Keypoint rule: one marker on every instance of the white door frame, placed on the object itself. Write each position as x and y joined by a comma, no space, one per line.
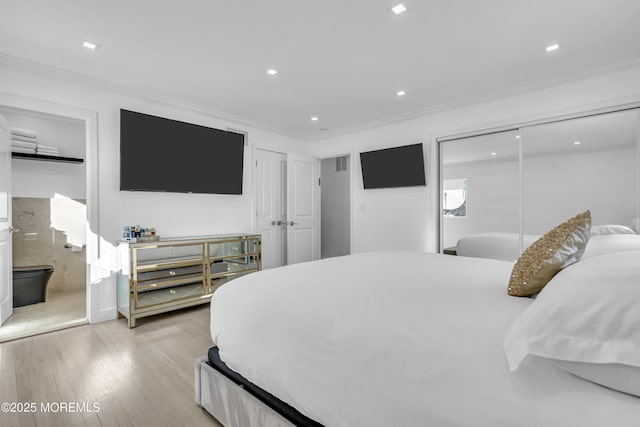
90,119
352,175
6,229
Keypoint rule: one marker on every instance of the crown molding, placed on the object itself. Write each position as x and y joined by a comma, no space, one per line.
37,68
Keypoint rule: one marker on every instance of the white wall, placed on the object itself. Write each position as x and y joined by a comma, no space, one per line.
44,179
335,213
408,218
171,214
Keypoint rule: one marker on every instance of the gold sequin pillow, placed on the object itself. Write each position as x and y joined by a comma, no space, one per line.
554,251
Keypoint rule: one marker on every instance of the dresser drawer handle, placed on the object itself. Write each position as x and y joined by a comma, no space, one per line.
172,273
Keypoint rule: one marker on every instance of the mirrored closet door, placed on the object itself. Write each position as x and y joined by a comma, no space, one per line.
520,183
574,165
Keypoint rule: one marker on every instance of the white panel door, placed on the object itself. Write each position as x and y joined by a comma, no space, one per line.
302,213
271,169
6,263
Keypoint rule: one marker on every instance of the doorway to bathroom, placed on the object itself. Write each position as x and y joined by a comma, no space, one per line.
49,222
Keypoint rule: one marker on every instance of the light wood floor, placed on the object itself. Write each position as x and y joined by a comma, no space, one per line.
138,377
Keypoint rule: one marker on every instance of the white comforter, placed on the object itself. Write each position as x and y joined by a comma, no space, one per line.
398,339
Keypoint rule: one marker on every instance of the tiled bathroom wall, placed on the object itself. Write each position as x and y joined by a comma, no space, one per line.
44,227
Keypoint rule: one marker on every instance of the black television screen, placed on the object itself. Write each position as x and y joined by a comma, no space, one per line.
158,154
393,167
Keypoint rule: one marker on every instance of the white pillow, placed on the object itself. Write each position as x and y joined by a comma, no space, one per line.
612,375
597,230
588,313
610,243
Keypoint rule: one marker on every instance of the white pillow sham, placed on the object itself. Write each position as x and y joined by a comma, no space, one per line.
588,313
597,230
610,243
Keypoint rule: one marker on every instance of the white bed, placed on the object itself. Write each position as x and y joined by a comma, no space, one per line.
395,338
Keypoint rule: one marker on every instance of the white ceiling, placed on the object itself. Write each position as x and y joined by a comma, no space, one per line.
340,60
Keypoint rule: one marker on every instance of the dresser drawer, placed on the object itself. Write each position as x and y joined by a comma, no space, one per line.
216,282
233,265
239,247
170,273
167,295
168,254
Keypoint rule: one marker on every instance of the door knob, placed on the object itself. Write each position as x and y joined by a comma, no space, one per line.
293,223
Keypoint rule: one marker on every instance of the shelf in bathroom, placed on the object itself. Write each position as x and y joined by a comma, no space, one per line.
45,158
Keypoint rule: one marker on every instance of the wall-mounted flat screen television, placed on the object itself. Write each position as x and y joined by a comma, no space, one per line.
159,154
393,167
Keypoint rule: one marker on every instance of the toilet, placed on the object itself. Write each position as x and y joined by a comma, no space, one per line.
30,284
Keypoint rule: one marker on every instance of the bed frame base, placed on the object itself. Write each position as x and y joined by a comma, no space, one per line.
230,403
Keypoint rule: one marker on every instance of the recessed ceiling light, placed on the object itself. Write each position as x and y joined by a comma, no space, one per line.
494,153
576,143
314,119
89,45
398,9
517,136
552,47
401,93
272,72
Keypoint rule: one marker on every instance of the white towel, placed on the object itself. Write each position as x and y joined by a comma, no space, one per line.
47,147
23,150
23,144
48,152
24,132
23,138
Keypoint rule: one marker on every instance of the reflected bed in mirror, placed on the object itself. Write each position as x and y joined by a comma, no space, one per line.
502,246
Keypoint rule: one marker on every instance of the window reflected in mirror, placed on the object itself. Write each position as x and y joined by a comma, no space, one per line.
454,198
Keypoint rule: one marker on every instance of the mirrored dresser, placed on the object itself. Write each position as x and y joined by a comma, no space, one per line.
169,274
